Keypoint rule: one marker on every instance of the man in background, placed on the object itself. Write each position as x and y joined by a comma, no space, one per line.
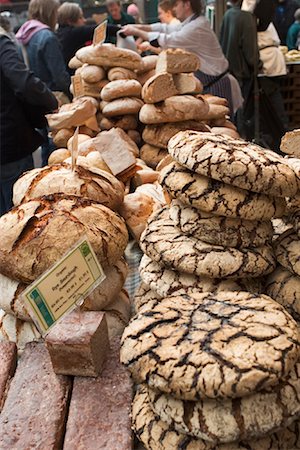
293,31
284,17
117,17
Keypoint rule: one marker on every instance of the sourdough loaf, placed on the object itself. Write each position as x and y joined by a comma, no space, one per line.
92,74
152,155
120,106
158,88
110,56
148,63
18,331
31,242
61,137
290,143
176,60
11,300
120,73
117,314
187,83
76,115
58,156
75,63
174,109
121,88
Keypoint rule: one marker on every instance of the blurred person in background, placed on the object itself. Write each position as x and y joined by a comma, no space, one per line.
24,101
42,54
133,11
73,33
166,13
116,17
284,17
293,31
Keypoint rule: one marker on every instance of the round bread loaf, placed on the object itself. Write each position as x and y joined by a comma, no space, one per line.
95,185
120,73
167,245
148,63
58,156
166,282
235,162
92,74
75,63
287,251
127,122
121,88
38,233
218,230
158,435
216,197
120,106
62,136
220,345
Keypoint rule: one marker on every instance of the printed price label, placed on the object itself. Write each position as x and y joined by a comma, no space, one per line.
63,287
100,33
77,86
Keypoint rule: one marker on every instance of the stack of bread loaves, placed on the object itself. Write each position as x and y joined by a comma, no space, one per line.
215,360
54,208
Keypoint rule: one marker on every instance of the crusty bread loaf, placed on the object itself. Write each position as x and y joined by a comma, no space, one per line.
61,137
18,331
38,233
90,161
11,300
187,83
120,73
57,157
106,124
152,155
107,291
109,56
121,88
92,74
164,162
176,60
159,135
75,63
290,143
81,138
135,136
86,97
217,112
75,115
227,131
158,88
117,314
148,63
96,185
87,131
174,109
120,106
115,140
127,122
215,100
143,77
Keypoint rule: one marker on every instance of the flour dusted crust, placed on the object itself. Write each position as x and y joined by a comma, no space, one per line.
158,435
121,88
218,230
16,330
217,197
174,109
228,420
166,244
11,298
296,219
109,56
235,162
168,282
160,134
145,297
96,185
177,60
36,234
287,251
121,106
226,344
284,287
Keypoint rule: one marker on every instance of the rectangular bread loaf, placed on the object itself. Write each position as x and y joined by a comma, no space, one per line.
100,409
34,413
176,60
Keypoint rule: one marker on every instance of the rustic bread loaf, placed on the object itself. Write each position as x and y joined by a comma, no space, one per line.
96,185
217,112
109,56
18,331
143,77
38,233
152,155
87,131
159,135
61,137
214,100
11,300
148,63
290,143
121,88
135,136
81,138
174,109
227,131
76,115
158,88
117,314
92,74
120,106
176,60
91,161
187,83
75,63
58,156
120,73
106,124
127,122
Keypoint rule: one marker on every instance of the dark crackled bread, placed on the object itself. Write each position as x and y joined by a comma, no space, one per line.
38,233
95,185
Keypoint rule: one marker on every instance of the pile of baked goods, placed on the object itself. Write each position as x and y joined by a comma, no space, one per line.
56,206
215,360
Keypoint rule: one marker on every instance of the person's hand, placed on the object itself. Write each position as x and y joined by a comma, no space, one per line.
144,46
129,30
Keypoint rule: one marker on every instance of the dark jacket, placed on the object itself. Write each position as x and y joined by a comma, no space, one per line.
238,39
23,98
284,17
125,20
73,38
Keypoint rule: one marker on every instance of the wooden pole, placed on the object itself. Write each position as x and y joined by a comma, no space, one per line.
220,9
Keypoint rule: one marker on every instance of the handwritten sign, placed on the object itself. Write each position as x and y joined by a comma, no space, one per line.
77,84
100,33
63,287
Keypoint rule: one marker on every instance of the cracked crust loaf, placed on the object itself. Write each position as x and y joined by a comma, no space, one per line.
211,345
166,244
96,185
218,230
234,162
145,297
217,197
31,242
166,282
158,435
287,251
284,287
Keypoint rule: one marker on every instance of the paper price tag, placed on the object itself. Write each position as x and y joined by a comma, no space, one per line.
100,33
77,86
63,287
